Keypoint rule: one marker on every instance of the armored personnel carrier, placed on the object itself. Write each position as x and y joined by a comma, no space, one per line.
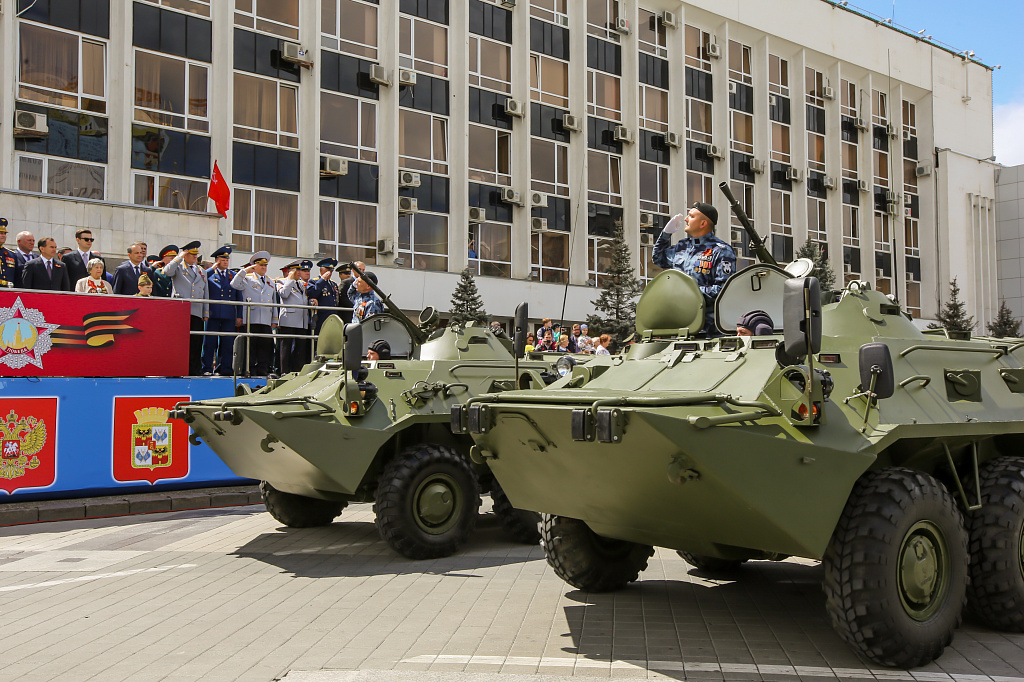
344,429
847,435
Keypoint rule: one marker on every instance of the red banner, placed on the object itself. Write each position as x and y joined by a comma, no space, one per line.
44,334
148,446
28,443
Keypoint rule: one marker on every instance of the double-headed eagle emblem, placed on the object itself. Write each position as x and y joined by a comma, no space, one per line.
20,440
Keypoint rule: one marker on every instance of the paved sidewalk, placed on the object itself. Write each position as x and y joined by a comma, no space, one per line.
228,594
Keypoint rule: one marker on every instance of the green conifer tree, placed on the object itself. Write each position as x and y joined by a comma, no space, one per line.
953,316
467,306
616,306
1005,325
822,268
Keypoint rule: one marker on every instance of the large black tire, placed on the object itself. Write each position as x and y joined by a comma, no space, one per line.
996,594
896,568
299,511
522,525
427,502
710,564
588,561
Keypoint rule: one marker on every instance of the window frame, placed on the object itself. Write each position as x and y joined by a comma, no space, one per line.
600,110
658,49
435,165
606,31
188,118
778,75
411,253
261,24
334,247
477,78
552,14
745,74
335,42
278,134
611,165
156,179
698,59
477,265
361,151
548,273
561,168
661,186
24,87
178,5
647,122
414,62
537,91
44,183
251,234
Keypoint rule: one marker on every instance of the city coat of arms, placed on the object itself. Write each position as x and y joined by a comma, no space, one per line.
148,446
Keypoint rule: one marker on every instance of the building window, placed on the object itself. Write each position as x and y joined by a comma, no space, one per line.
601,17
422,141
654,108
422,46
170,152
169,32
490,64
75,136
549,80
650,34
883,233
490,249
848,98
699,187
63,69
490,155
851,225
913,300
880,108
600,254
741,132
348,126
62,177
549,256
911,237
850,160
697,42
604,178
423,241
549,167
266,111
349,26
782,212
698,120
744,193
200,7
910,118
265,220
816,221
778,75
814,82
653,187
171,92
279,17
182,194
740,69
87,16
780,143
604,95
348,231
816,152
555,11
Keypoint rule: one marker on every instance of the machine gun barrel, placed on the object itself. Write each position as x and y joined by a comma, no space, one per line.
755,241
418,335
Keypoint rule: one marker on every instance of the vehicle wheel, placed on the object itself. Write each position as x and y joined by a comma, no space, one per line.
427,502
522,525
299,511
710,564
587,560
996,594
896,568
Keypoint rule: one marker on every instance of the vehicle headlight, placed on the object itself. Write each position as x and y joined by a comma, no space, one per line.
564,365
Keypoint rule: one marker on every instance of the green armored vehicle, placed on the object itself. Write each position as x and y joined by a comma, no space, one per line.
891,454
344,429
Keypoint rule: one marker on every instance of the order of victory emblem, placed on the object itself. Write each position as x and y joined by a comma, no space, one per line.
24,336
151,439
148,445
28,434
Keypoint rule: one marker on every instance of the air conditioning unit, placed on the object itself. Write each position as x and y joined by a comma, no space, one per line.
793,174
908,212
293,52
510,196
732,87
908,199
622,26
408,179
891,196
715,152
892,208
407,205
860,124
646,239
333,165
862,185
772,100
924,170
891,131
406,77
828,92
508,4
907,136
646,220
538,200
669,19
514,107
539,224
828,183
714,50
879,272
673,139
385,246
756,166
623,134
477,215
570,122
30,124
379,75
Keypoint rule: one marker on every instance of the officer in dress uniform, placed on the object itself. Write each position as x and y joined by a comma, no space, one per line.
8,263
293,353
323,292
701,255
223,316
189,281
256,287
162,285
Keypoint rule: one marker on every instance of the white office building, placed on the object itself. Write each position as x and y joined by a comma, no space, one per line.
425,136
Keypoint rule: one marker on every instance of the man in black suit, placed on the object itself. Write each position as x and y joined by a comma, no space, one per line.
126,276
78,260
23,253
46,273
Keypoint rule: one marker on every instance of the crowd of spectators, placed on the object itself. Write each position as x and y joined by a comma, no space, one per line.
556,338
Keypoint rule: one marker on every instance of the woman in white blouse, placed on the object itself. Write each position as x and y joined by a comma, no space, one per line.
94,283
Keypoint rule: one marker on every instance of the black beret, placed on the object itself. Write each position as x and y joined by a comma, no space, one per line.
370,276
708,210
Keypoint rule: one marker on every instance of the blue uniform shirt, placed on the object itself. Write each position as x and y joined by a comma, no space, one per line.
221,290
325,293
8,268
707,259
365,305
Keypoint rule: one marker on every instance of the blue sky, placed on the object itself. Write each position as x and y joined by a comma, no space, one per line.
994,29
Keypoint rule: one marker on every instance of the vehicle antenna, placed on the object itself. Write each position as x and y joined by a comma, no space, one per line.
572,238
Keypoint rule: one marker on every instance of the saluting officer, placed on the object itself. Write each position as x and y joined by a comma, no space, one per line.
8,263
256,287
162,285
323,292
223,316
293,353
189,281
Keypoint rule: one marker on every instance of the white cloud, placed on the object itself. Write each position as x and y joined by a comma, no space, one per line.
1009,133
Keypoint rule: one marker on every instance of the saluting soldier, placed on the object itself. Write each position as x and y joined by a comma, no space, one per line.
162,285
293,353
189,281
8,263
223,316
256,287
323,292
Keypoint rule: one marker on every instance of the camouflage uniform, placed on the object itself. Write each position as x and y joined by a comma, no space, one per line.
707,259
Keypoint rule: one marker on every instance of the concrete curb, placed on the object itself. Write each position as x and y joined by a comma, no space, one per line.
17,513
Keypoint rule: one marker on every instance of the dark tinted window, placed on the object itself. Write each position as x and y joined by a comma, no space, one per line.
851,195
601,219
556,212
848,130
546,122
72,136
488,197
778,177
258,53
350,75
429,94
697,158
778,109
604,56
360,184
489,108
698,84
432,195
601,135
549,39
816,185
162,30
489,20
170,151
739,167
265,167
880,138
435,10
653,71
815,119
87,16
742,99
653,147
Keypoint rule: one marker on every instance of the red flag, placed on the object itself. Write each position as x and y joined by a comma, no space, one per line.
220,192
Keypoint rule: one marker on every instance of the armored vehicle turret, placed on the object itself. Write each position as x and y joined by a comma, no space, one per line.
344,429
843,433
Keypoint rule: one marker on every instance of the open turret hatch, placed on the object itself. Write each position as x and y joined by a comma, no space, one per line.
758,287
671,305
384,326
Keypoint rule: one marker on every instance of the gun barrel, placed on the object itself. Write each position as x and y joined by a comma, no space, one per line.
760,250
418,335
